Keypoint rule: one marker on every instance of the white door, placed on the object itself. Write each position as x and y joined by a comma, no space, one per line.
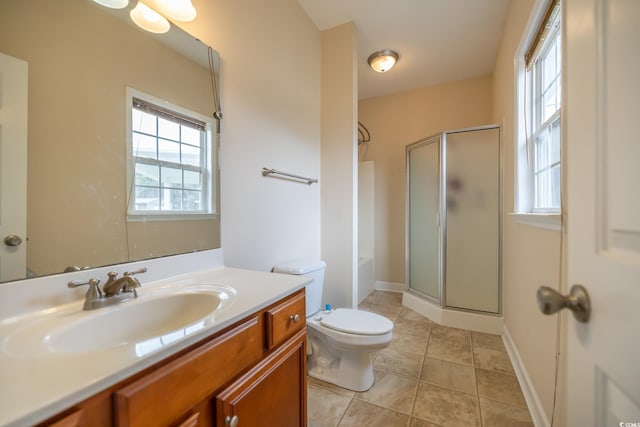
602,124
13,168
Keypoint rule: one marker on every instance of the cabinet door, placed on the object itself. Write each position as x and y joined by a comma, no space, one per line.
274,393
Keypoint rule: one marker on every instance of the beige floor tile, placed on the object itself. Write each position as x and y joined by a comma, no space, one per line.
445,331
409,322
392,392
384,297
446,407
490,341
417,422
397,362
389,311
453,345
449,375
314,382
325,408
498,386
362,413
493,360
496,414
409,343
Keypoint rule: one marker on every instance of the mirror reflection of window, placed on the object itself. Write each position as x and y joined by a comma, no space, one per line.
171,160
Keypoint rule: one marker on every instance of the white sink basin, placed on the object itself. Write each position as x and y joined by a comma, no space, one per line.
155,319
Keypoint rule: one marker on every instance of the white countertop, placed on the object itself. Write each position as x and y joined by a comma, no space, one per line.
34,388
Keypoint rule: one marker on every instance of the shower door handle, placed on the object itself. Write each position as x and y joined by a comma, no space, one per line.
551,301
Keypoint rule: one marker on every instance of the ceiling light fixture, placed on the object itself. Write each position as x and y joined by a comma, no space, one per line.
148,19
179,10
382,60
113,4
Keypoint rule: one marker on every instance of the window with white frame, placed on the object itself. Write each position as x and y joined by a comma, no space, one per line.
170,173
540,100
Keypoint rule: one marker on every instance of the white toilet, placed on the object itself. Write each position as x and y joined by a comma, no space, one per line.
342,342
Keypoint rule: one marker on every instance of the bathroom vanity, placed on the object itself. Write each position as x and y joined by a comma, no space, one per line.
245,366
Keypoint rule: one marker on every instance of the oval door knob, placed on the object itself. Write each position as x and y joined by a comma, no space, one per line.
551,301
12,240
231,421
295,318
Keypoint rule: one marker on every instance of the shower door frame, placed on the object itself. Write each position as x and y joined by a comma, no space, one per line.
442,218
433,139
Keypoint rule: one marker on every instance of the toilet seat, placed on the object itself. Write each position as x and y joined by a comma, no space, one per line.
357,322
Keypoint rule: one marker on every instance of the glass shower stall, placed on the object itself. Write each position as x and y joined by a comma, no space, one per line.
453,219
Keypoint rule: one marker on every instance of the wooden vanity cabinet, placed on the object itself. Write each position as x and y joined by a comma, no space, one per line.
255,370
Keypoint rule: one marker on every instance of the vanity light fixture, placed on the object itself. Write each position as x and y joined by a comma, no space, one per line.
113,4
148,19
179,10
383,60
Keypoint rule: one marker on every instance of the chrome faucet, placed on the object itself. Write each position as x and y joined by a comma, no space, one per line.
114,291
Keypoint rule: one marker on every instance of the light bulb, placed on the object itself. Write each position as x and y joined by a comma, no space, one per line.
113,4
179,10
148,19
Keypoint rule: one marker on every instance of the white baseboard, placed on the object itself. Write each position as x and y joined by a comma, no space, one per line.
453,318
536,410
390,286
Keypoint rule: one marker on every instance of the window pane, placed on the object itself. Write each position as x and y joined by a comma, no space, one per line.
147,199
192,180
143,122
192,200
190,155
171,177
168,151
554,131
190,136
168,129
147,175
144,146
171,199
555,187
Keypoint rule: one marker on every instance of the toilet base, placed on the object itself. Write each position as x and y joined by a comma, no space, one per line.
352,370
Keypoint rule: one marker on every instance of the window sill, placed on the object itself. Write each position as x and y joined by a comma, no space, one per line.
170,217
540,220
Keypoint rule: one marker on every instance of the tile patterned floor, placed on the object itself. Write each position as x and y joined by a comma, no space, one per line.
429,376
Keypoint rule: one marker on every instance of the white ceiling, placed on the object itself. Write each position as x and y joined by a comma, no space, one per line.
437,40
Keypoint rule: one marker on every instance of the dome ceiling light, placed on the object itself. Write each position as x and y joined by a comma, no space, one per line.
383,60
148,19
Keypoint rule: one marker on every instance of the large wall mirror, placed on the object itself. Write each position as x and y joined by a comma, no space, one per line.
84,62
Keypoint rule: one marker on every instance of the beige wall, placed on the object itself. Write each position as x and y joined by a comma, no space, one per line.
530,255
81,58
400,119
339,164
271,63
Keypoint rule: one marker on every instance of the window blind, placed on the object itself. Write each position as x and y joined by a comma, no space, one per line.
166,114
546,25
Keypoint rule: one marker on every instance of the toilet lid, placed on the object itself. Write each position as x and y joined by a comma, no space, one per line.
357,322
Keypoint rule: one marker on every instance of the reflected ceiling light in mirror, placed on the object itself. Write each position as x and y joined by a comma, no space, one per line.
113,4
383,60
179,10
148,19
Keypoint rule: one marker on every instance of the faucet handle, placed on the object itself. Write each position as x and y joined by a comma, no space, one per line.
93,292
139,271
132,287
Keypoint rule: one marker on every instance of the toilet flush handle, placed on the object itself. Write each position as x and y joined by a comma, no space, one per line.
294,318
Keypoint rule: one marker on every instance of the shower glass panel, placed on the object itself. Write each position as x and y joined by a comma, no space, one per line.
472,227
423,205
453,219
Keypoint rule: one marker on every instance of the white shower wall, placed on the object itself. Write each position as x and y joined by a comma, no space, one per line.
366,265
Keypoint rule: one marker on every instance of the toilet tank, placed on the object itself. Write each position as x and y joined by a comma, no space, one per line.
310,268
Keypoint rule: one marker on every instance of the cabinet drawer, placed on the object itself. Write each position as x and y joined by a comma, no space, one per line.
184,382
285,319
